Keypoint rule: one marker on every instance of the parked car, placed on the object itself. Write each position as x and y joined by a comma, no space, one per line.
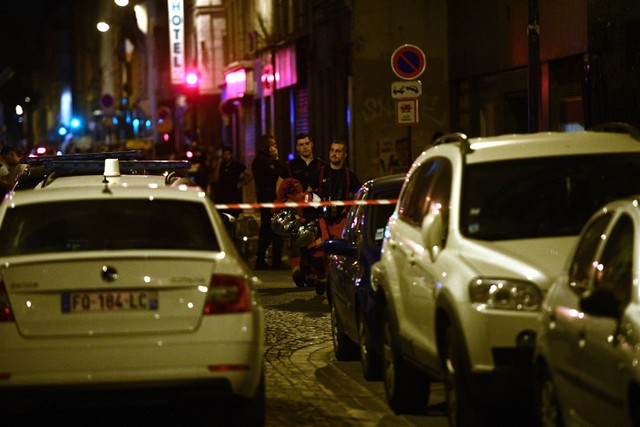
355,323
481,229
116,281
588,343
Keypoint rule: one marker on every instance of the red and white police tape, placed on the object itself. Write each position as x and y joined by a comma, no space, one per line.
281,205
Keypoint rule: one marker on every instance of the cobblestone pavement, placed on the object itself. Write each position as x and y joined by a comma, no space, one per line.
305,385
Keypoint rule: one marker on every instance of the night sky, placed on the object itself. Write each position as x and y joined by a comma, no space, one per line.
21,24
22,31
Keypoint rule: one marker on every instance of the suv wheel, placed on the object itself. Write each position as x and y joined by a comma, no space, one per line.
370,360
549,412
343,347
460,408
407,390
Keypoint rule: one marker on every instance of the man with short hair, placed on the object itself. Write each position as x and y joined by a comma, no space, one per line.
303,164
300,168
335,182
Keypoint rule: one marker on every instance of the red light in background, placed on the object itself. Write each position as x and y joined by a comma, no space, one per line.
236,83
165,137
192,78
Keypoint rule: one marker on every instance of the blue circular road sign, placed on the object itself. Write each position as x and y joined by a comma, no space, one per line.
408,62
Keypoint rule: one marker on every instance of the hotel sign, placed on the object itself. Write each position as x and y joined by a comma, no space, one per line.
176,41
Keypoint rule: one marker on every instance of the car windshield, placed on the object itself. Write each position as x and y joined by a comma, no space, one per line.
545,197
89,225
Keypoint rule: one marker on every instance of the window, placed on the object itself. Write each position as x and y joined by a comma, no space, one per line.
353,225
583,266
543,197
422,193
614,271
106,225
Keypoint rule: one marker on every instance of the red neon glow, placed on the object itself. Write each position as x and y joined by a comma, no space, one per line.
236,83
192,78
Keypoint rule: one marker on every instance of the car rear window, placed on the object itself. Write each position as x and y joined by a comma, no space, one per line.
90,225
543,197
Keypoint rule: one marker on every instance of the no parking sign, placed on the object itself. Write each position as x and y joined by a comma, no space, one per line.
408,62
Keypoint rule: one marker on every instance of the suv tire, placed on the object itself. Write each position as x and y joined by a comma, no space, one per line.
407,389
460,407
370,359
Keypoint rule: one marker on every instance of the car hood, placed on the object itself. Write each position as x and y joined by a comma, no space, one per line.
535,260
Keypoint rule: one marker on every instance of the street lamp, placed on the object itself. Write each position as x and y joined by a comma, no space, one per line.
103,27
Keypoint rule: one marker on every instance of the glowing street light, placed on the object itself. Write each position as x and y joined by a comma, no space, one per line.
103,27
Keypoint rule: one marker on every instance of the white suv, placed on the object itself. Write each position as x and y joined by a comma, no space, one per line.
124,280
481,229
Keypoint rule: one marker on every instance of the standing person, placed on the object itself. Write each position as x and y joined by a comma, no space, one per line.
300,168
336,182
266,169
229,176
205,170
11,160
303,164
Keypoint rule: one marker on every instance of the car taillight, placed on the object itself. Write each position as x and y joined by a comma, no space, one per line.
227,294
6,315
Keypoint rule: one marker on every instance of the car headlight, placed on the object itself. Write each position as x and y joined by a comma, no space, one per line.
505,294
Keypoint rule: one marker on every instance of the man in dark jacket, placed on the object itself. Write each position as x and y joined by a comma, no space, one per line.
333,182
266,170
300,168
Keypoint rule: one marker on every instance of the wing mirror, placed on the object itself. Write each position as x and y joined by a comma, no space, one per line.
229,222
433,233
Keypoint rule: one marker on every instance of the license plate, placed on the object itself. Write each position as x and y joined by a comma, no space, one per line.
78,302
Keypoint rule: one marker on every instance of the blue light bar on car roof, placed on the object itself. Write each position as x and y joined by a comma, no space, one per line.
126,165
122,155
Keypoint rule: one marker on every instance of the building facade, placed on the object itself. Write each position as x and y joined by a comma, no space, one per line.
325,67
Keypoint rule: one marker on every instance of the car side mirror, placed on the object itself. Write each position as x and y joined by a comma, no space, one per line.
433,233
339,247
601,302
229,222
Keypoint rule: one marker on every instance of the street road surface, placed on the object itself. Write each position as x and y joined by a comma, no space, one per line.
305,385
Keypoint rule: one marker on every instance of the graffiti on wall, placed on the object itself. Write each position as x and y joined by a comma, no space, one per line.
393,156
374,109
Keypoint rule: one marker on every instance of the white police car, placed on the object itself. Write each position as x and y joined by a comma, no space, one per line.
115,280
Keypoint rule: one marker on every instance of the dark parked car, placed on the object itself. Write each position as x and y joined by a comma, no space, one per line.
354,321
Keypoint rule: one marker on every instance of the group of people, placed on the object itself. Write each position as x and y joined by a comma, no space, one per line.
331,180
